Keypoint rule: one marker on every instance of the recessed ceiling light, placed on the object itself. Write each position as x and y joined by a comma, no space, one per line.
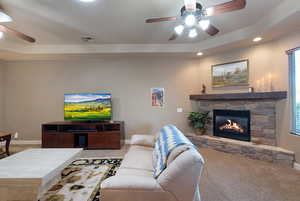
88,39
1,34
87,1
199,54
257,39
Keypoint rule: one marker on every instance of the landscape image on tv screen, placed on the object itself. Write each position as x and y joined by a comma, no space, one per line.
88,106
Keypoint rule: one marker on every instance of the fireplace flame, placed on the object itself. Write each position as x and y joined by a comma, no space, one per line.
232,126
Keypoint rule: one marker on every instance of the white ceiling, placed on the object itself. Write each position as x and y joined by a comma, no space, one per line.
117,21
119,25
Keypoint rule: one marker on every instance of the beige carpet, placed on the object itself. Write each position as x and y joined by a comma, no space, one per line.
228,177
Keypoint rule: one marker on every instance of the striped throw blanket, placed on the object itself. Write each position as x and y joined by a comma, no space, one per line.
170,138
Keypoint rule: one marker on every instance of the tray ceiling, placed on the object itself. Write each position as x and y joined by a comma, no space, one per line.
120,25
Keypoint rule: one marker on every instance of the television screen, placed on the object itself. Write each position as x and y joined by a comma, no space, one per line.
92,106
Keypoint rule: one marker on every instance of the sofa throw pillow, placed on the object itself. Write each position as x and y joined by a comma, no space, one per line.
169,138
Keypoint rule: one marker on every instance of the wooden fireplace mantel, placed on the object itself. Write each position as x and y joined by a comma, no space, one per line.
276,95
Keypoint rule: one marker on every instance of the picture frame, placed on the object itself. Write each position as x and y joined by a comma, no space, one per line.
230,74
157,97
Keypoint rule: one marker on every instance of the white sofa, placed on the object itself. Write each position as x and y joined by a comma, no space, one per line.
134,180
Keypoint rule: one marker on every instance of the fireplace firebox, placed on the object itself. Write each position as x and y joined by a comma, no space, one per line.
233,124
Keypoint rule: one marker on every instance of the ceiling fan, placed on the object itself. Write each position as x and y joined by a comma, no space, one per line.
194,16
4,18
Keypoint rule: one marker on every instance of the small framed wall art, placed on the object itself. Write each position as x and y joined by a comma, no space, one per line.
157,97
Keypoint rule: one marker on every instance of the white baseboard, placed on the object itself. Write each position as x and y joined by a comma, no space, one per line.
297,166
25,142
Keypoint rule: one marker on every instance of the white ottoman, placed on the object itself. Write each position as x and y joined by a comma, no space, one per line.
27,175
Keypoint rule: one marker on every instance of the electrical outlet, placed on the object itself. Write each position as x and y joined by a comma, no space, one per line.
16,135
179,110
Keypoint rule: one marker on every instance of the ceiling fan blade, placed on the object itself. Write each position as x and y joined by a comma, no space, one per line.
226,7
173,37
212,30
161,19
17,34
190,5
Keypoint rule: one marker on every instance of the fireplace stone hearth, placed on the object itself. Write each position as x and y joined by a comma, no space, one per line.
263,117
265,153
261,143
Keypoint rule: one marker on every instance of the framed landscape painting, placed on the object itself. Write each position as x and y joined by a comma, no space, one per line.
230,74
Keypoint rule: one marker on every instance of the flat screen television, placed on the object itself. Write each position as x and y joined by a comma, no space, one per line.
88,106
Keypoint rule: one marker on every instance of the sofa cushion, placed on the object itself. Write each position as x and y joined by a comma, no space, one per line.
131,183
143,140
138,157
134,172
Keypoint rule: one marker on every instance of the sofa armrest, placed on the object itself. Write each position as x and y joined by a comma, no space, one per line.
143,140
130,183
133,188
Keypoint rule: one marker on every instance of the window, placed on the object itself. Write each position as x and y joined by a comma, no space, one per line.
294,63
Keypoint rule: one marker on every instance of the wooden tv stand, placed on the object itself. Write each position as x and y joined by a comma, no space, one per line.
80,134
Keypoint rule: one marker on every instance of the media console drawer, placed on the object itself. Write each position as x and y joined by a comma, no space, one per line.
67,134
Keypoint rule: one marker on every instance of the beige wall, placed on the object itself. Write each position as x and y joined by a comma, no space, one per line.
1,94
36,90
265,59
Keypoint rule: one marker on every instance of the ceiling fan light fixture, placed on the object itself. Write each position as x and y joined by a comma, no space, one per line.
204,24
210,11
190,20
190,5
4,17
199,54
179,29
193,33
257,39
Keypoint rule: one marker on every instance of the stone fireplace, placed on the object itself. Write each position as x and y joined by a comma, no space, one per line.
263,117
245,124
232,124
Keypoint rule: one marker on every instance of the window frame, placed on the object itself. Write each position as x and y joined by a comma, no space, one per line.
292,87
